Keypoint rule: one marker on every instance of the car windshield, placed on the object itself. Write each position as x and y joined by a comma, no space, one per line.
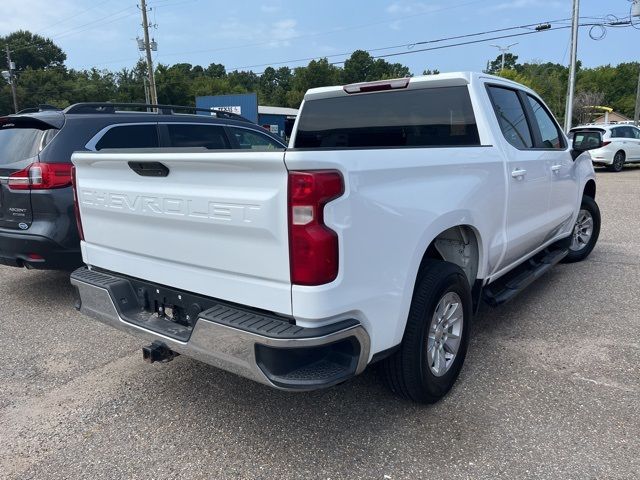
19,143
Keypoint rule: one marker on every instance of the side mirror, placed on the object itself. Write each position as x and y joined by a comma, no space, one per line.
585,140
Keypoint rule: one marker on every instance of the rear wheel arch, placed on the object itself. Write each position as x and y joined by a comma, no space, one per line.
590,189
460,245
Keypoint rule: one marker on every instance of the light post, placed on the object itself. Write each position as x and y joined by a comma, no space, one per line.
568,115
635,13
504,51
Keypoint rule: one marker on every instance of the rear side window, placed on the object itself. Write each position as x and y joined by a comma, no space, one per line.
211,137
429,117
18,144
551,137
250,140
511,117
130,136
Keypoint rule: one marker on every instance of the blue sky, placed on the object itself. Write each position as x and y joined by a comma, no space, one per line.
251,33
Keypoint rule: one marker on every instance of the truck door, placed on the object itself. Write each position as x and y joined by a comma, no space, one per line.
553,147
528,177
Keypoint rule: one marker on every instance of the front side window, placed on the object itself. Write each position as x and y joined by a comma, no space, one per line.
211,137
250,140
129,136
551,137
424,117
629,132
636,133
617,133
511,117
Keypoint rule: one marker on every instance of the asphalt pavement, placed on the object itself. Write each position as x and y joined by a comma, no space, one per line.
550,389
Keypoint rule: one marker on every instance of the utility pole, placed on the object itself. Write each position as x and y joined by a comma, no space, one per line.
147,47
504,51
635,12
568,114
12,80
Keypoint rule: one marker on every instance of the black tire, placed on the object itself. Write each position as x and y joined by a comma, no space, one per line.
407,372
618,162
590,205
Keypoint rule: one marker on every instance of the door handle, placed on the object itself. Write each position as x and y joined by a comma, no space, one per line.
556,168
518,173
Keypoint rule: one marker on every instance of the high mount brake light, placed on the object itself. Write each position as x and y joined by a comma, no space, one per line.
41,176
313,247
377,86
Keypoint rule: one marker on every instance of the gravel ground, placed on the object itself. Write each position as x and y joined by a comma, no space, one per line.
550,389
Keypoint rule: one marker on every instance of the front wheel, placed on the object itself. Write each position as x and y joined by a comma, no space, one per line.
436,337
586,231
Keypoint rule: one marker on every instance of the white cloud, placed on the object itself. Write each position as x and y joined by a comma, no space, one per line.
516,4
410,8
38,16
270,8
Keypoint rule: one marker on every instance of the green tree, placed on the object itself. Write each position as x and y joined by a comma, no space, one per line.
510,63
29,50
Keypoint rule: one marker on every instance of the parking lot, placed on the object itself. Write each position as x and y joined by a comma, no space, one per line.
550,389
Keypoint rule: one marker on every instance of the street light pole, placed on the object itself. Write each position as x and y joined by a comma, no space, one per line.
12,80
568,115
635,12
504,51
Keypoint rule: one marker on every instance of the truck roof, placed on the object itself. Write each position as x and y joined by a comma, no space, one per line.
451,79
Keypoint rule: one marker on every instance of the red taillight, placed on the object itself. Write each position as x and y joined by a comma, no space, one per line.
313,247
41,176
76,204
606,142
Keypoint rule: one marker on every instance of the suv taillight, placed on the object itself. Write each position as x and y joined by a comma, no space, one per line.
313,247
41,176
76,204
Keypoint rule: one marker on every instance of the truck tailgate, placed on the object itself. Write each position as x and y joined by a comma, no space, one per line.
216,224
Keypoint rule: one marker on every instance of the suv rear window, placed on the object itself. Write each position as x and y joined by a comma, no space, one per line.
129,136
19,143
428,117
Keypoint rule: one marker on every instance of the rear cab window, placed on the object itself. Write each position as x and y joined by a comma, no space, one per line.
421,117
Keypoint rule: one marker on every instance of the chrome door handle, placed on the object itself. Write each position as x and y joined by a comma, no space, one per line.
518,173
556,168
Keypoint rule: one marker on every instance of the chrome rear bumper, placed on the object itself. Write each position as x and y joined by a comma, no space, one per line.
294,359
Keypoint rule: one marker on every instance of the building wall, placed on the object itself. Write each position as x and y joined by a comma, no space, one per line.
244,104
277,122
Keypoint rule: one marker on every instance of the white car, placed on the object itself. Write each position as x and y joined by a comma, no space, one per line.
398,207
620,145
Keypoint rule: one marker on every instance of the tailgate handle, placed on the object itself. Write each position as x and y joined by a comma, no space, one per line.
149,169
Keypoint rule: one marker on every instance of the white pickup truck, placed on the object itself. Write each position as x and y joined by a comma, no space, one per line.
398,208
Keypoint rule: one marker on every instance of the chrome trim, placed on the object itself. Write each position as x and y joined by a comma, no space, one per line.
4,179
223,347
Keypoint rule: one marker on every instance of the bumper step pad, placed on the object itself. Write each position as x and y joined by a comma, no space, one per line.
259,345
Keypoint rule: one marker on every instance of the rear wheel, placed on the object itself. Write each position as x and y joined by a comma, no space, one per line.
618,162
586,231
436,336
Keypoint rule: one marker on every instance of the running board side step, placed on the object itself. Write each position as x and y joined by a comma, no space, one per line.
507,287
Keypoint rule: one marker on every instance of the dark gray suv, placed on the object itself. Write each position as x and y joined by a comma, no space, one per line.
37,221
